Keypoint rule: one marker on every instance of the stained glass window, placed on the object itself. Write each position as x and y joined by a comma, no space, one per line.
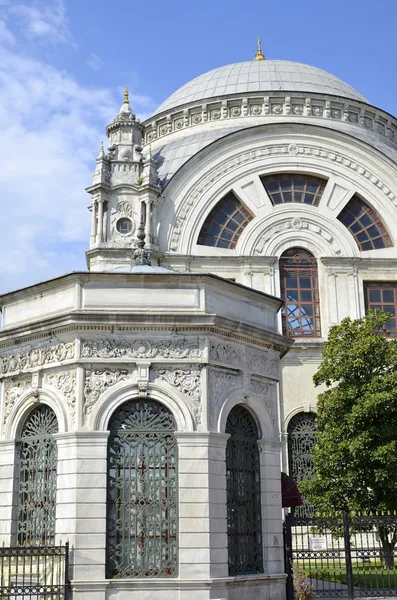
244,523
383,296
142,514
299,290
364,224
288,187
225,223
301,439
38,458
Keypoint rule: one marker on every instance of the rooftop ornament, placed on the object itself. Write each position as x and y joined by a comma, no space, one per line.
259,55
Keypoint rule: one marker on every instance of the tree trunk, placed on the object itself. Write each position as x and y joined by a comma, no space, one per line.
387,553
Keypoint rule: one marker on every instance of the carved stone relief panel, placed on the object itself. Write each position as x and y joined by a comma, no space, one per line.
30,357
266,392
178,348
96,382
220,381
64,382
265,362
188,381
13,389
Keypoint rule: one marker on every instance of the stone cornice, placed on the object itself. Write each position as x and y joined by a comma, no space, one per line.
278,105
80,323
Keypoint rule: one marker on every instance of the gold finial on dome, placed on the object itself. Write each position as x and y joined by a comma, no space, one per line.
126,98
259,55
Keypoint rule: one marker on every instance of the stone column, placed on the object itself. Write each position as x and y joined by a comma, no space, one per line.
8,492
93,222
148,223
202,505
272,518
99,235
81,506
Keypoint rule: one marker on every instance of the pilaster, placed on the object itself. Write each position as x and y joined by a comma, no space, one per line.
8,491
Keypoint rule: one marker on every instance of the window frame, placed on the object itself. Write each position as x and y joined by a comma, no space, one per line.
382,286
214,220
366,212
289,194
298,272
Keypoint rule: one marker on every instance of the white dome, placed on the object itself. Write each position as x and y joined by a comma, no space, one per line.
260,76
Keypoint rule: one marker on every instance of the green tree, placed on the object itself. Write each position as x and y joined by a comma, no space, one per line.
355,456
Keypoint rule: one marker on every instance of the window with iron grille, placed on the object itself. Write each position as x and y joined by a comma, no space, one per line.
383,296
142,515
290,187
364,224
244,523
38,458
225,223
299,290
302,432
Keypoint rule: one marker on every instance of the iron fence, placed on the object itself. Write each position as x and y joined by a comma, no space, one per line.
343,556
34,572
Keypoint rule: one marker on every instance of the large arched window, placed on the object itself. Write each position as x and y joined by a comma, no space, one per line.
225,223
142,511
299,290
364,224
301,439
38,458
294,187
244,523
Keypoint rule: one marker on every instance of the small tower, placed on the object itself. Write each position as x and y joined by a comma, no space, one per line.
124,194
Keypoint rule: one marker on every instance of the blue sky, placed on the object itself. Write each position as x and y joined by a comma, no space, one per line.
63,67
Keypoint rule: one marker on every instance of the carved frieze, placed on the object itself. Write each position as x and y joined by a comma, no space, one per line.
65,382
13,390
188,382
257,361
32,357
178,348
96,382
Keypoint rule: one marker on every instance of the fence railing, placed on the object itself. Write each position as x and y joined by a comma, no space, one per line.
34,572
343,556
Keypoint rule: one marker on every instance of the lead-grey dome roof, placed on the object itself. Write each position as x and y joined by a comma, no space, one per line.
260,76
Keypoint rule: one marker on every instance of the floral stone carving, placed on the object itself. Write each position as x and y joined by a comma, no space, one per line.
188,381
13,390
219,382
142,348
96,382
36,357
65,381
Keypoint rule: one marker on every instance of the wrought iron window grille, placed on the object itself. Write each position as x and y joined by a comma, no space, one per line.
37,486
142,515
244,522
302,431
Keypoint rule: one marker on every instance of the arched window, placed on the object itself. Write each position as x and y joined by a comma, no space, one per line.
299,290
225,223
301,439
142,516
244,523
38,458
290,187
364,224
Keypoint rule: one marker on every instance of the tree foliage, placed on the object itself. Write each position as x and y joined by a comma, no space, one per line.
355,456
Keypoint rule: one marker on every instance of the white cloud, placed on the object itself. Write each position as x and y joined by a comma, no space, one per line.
45,21
51,127
95,62
6,37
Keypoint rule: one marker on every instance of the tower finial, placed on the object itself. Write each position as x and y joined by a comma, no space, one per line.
126,97
259,55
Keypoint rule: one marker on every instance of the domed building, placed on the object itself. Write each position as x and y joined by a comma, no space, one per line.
150,403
